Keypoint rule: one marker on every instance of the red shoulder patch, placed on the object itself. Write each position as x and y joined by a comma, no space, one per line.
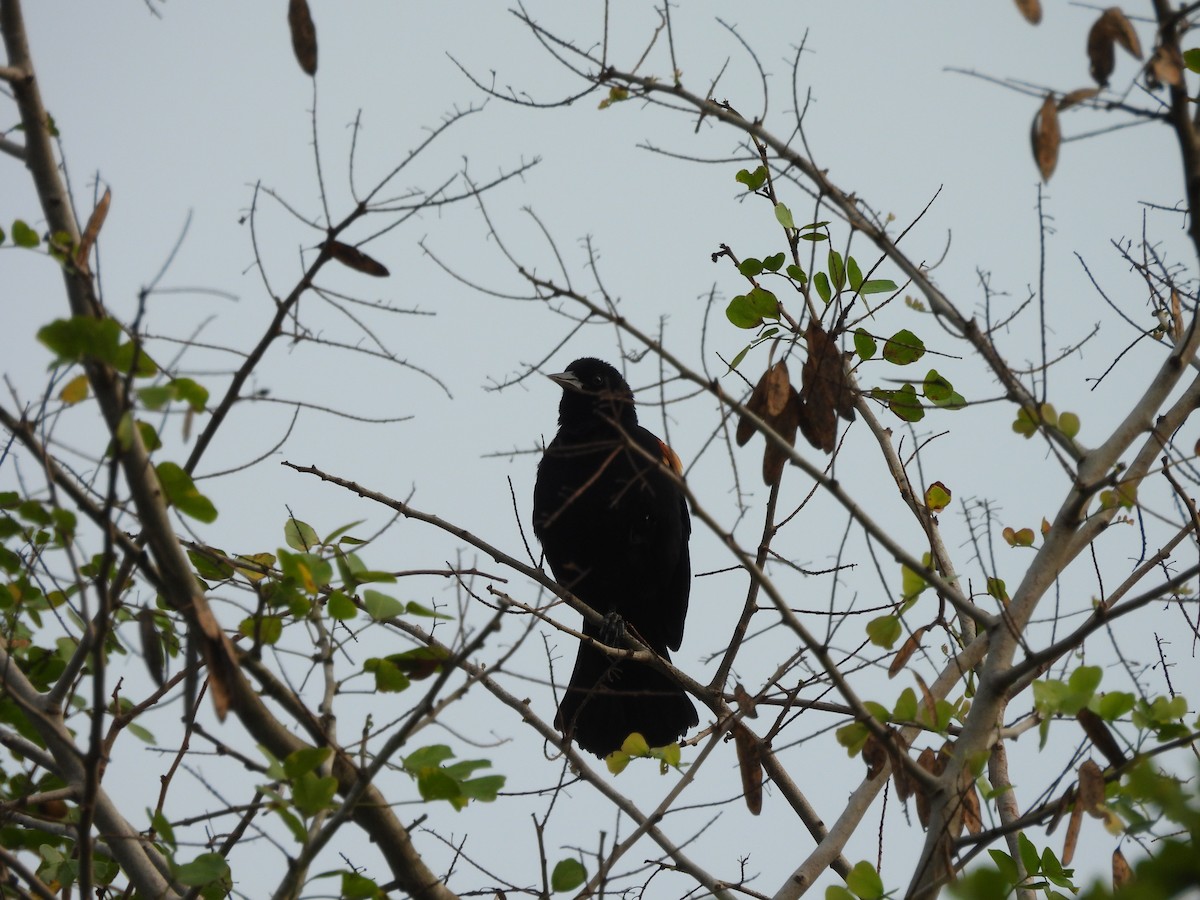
671,459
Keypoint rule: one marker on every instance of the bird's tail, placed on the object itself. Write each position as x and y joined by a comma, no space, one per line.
607,700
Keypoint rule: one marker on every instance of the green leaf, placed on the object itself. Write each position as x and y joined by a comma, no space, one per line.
304,760
1191,59
181,493
433,755
837,892
635,745
268,629
741,355
813,236
904,403
878,286
2,236
774,262
413,608
75,390
764,303
359,887
937,497
484,789
210,568
1029,854
937,388
1085,680
864,344
796,273
853,737
740,312
997,589
750,267
1112,705
821,283
1006,865
300,535
80,337
615,95
1068,424
903,348
752,180
568,874
380,606
388,677
884,631
837,270
309,571
864,881
784,216
1024,424
132,357
142,734
911,583
435,784
616,762
905,709
24,236
205,869
313,793
340,607
853,273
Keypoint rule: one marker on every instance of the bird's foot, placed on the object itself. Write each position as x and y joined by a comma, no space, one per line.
612,632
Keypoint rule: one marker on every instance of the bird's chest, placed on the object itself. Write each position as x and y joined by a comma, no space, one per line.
604,487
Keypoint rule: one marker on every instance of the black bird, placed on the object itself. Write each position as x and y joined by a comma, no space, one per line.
614,526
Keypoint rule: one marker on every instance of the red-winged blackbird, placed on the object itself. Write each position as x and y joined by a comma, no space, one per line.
615,528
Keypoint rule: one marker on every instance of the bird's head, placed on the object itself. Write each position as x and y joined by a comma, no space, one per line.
593,391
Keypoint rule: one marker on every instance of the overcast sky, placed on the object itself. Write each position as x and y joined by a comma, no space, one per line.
184,112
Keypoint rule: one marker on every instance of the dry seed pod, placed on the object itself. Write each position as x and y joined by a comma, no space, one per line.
1046,137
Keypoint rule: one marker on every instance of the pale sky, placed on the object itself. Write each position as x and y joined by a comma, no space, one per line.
182,114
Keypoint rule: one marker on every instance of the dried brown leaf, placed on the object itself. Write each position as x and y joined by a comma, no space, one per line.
927,761
901,777
757,404
1091,788
1077,96
875,755
750,764
785,425
1165,67
904,654
1072,838
745,702
1101,51
1110,29
1046,137
353,258
825,391
779,388
152,649
1101,736
905,784
304,35
1121,872
1122,31
92,231
970,809
926,697
1031,10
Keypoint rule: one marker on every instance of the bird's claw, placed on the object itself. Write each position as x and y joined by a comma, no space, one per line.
612,632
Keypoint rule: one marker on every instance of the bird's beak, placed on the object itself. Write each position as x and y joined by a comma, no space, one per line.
567,380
